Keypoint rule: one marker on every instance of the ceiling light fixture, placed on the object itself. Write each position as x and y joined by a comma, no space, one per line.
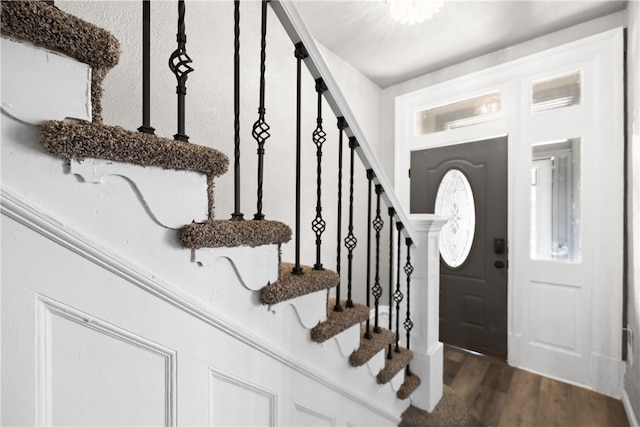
413,11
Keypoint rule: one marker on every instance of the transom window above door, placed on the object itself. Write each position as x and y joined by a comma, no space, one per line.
468,112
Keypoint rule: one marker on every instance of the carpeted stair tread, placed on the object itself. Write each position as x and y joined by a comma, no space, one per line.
410,384
48,27
292,285
229,233
451,411
338,321
51,28
394,365
81,140
369,347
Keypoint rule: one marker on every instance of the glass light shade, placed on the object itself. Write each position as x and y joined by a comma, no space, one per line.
413,11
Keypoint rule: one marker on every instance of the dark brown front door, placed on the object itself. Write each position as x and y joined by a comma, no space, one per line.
468,183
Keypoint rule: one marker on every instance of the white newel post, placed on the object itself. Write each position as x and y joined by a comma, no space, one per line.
425,300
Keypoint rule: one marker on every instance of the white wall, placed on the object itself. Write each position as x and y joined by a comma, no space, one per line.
632,376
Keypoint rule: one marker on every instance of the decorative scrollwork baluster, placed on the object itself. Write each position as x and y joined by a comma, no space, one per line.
378,223
397,295
179,65
146,68
260,130
408,271
370,176
350,241
300,54
342,124
391,214
318,224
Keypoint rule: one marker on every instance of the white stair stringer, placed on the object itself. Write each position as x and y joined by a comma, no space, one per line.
310,309
171,209
376,363
348,340
254,267
397,381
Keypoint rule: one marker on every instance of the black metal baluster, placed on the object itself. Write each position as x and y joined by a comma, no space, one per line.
350,241
260,127
397,295
179,64
391,214
146,68
300,54
378,223
319,137
237,215
370,176
408,271
342,124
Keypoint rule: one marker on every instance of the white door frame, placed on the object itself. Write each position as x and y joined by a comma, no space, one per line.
598,345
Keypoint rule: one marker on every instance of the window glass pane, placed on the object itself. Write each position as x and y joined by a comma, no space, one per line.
455,202
556,92
555,201
459,114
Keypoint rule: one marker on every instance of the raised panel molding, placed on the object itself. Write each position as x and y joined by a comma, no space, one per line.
306,416
559,326
28,215
47,309
244,392
170,210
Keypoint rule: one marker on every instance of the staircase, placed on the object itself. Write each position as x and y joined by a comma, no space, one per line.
253,248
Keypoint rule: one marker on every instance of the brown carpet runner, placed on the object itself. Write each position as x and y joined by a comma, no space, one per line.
291,285
81,140
50,28
451,411
338,321
410,384
228,234
369,347
395,365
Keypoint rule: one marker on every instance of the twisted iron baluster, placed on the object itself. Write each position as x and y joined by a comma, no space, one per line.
391,214
146,68
350,241
370,176
179,65
378,223
408,271
319,137
237,215
397,295
260,127
342,124
300,54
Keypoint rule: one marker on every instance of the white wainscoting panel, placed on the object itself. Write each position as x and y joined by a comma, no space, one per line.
235,402
91,372
310,417
557,328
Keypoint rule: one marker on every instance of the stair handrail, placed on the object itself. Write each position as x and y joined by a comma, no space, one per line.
294,25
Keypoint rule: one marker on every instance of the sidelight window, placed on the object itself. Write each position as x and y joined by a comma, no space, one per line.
555,201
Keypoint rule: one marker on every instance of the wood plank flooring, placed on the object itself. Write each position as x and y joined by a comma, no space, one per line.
499,395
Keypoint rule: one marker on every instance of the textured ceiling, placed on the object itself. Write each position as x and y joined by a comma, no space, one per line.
362,33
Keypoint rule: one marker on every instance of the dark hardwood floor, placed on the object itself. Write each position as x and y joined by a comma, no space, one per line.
499,395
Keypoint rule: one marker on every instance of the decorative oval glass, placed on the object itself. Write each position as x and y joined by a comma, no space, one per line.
455,202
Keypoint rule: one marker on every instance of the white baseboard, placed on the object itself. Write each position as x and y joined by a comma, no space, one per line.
631,416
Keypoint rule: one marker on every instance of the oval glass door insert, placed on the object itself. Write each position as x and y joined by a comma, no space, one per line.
455,202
